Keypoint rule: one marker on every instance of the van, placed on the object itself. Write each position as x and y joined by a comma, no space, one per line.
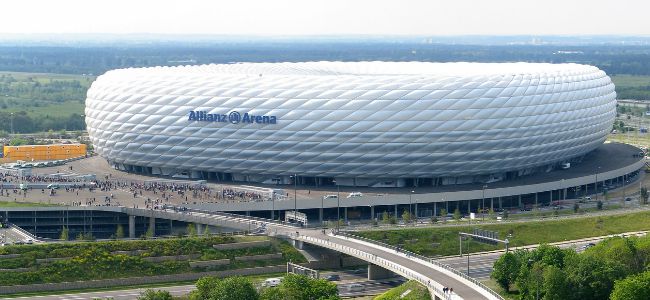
272,282
330,197
355,194
355,287
565,166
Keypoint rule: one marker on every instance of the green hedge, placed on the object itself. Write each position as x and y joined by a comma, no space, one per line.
94,260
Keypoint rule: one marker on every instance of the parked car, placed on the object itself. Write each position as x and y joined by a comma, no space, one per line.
272,282
333,277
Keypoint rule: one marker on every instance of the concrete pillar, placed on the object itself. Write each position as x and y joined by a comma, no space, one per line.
447,206
536,199
248,213
500,206
152,225
492,203
199,229
132,227
564,194
320,215
372,212
345,214
272,214
298,244
396,211
519,200
416,212
435,209
469,206
376,272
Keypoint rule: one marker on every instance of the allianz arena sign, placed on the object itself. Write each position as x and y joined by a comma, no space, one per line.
233,117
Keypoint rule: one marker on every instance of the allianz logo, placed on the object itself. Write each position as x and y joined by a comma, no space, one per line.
233,117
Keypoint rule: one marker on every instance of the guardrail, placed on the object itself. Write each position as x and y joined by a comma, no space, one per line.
406,272
426,259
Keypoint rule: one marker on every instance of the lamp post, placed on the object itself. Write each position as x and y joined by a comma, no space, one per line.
12,123
410,205
295,198
338,204
483,204
596,185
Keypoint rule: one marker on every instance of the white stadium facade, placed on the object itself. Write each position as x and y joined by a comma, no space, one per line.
378,124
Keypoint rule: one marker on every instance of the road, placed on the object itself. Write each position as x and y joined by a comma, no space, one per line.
370,287
480,265
13,235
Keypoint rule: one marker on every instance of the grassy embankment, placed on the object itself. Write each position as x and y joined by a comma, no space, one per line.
444,241
99,260
410,290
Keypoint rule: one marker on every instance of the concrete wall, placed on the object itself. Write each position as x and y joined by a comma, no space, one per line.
51,259
243,245
209,263
4,256
171,257
135,280
259,257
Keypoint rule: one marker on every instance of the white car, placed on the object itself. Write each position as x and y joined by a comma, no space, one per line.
272,282
355,194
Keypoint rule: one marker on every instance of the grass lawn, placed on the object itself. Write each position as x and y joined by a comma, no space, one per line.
444,241
412,289
23,204
632,87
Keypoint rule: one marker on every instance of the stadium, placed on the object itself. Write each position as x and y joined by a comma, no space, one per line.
377,124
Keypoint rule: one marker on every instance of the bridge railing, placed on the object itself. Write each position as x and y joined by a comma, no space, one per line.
426,259
376,260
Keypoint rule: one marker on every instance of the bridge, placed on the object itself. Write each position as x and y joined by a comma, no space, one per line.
382,258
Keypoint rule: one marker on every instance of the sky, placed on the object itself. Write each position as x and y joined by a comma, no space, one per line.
328,17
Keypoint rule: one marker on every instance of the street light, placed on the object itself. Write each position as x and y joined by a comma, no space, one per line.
12,123
295,199
410,205
483,205
338,205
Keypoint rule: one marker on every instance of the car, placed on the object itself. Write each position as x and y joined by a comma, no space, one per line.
355,194
333,277
355,287
628,199
330,197
53,186
29,242
272,282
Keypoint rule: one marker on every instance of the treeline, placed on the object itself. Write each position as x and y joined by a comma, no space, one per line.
616,269
21,122
94,59
29,92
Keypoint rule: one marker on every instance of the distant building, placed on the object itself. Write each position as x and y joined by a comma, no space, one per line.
359,123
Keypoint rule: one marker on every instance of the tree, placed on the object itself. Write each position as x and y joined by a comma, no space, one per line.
149,233
150,294
592,278
235,288
301,287
457,214
119,233
64,234
491,214
636,287
406,216
385,217
576,208
443,215
644,195
599,205
505,214
505,270
191,230
555,285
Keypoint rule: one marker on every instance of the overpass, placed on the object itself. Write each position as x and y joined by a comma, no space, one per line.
435,276
382,258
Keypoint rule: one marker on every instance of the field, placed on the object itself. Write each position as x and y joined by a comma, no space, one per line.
632,87
444,241
41,102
